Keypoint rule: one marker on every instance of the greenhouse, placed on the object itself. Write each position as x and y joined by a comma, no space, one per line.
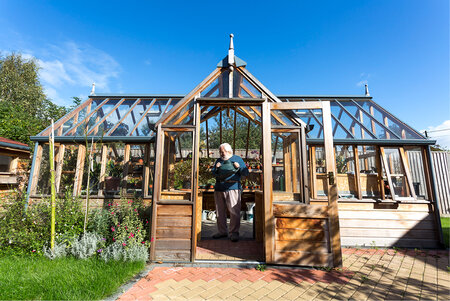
325,171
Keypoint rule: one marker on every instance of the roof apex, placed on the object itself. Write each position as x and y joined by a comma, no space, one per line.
238,62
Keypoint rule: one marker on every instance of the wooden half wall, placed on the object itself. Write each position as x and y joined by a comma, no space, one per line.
388,224
302,235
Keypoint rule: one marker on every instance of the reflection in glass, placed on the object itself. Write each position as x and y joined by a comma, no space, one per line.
415,160
368,171
345,167
177,161
398,177
286,167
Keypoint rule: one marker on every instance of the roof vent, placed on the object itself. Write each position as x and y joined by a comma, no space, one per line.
367,90
93,89
231,51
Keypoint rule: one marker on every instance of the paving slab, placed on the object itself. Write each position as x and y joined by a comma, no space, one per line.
367,274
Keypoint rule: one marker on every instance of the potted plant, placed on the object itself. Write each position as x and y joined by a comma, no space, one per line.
181,174
114,170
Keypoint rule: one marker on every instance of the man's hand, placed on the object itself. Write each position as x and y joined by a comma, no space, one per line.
218,165
236,165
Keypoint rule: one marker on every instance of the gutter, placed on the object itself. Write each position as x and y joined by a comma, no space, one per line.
16,146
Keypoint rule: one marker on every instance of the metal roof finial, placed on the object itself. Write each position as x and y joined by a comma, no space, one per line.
93,89
231,51
367,90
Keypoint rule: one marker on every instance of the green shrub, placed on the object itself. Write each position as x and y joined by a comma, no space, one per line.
127,226
28,231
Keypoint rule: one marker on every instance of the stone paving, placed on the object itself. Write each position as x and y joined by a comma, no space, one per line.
368,274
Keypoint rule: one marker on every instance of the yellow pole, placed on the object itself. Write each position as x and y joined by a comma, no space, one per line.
52,185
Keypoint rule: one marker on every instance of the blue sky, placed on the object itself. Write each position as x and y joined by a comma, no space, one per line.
399,47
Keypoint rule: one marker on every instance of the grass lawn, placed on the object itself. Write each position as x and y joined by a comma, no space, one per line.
33,278
445,222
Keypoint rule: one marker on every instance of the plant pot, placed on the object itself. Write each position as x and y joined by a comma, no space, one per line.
187,185
112,183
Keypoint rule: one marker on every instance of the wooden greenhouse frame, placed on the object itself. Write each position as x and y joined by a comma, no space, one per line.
353,174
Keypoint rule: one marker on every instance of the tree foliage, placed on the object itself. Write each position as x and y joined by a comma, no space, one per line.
228,131
25,110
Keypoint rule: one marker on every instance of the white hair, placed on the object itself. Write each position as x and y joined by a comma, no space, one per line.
226,147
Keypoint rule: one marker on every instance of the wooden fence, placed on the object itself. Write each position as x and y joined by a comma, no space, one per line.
441,167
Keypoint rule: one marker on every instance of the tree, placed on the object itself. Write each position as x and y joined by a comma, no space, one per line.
25,110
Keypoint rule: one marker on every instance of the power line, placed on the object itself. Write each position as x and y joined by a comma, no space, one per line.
432,131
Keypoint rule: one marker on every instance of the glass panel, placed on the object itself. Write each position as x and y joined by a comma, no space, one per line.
338,131
242,129
130,121
368,171
114,168
83,128
68,169
43,184
115,116
415,160
286,163
279,117
345,167
136,166
242,88
184,116
92,165
5,163
151,165
218,88
397,172
321,169
395,126
177,162
313,118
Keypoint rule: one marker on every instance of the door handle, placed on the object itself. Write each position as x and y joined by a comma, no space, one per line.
330,177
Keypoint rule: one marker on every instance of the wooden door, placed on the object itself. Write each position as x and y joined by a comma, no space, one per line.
297,233
173,198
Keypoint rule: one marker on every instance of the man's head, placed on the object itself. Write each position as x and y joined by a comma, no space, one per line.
225,151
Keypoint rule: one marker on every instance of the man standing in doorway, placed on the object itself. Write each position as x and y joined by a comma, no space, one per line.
228,171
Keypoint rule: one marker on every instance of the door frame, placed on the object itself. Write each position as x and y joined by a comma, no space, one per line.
219,102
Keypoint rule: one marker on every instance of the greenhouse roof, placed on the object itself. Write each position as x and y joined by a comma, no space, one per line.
355,119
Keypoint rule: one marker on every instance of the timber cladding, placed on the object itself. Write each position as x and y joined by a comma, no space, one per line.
388,225
173,232
302,235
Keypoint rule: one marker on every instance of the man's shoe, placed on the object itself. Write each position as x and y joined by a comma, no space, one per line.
219,235
234,237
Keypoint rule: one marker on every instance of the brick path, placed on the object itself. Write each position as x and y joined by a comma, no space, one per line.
367,274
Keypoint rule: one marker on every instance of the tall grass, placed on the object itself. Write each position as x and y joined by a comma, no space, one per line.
33,277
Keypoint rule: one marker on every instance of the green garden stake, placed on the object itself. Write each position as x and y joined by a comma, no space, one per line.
52,185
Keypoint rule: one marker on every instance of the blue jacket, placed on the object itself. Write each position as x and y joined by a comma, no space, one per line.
242,171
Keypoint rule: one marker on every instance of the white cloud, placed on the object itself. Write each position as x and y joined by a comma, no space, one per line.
54,73
441,133
364,79
70,67
362,83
